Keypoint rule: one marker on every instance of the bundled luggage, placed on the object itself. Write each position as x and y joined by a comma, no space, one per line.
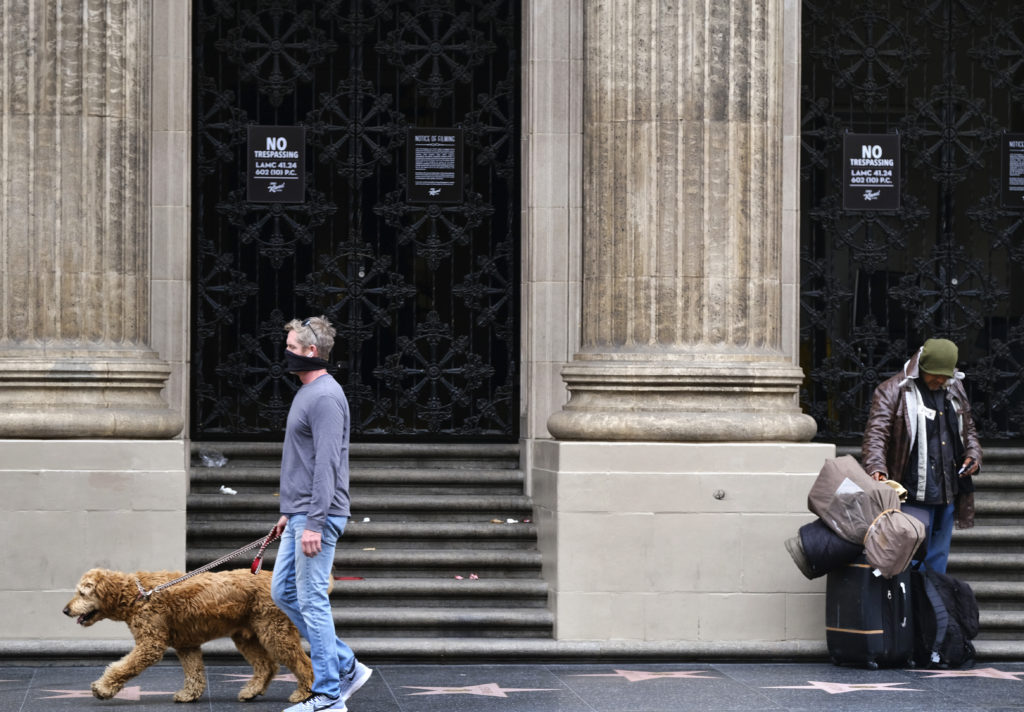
817,549
854,508
878,611
866,513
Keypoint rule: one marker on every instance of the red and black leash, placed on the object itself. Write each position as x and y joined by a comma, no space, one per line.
257,564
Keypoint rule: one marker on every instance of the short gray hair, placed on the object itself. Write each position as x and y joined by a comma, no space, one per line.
314,331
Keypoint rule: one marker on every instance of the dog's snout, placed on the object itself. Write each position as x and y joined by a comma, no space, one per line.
67,611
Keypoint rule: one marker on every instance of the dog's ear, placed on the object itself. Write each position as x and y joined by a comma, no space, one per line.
109,584
87,584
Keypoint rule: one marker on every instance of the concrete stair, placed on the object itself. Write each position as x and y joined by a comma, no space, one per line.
990,556
422,515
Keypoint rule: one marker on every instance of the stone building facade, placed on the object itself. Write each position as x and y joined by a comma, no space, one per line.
664,446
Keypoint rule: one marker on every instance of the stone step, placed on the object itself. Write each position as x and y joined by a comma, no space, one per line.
366,504
981,533
1001,624
995,591
987,537
423,593
1000,504
1000,479
401,563
442,622
362,454
976,567
244,532
230,535
374,480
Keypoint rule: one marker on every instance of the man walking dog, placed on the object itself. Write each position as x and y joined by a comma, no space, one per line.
314,512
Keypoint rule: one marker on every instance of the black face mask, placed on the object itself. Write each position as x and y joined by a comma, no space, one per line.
298,363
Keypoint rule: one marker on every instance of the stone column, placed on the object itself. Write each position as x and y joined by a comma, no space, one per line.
681,332
75,360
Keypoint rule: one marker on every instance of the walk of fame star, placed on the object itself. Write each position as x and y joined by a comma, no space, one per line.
133,693
285,677
490,689
641,675
838,688
978,672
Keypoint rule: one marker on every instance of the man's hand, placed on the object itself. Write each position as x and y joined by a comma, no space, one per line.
879,476
310,543
969,467
278,529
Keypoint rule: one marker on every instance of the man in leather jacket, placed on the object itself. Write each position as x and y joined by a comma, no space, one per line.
927,396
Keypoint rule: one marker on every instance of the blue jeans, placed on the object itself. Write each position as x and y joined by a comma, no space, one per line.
938,532
299,588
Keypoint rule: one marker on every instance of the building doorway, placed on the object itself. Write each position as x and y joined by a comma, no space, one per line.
948,76
424,295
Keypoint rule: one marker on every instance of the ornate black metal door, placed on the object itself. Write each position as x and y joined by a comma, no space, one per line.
949,76
424,296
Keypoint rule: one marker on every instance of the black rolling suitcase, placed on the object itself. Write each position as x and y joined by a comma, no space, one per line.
868,618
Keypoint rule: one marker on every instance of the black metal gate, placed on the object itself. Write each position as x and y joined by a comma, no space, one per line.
424,296
948,75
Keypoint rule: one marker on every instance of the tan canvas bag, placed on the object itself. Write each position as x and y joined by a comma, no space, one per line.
891,541
847,499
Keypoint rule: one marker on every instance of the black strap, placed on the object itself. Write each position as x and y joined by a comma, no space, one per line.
938,610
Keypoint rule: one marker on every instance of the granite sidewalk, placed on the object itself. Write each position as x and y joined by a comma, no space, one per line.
591,687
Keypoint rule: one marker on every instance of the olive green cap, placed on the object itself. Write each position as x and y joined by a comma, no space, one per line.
938,357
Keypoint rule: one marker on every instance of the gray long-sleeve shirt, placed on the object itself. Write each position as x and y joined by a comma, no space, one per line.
314,460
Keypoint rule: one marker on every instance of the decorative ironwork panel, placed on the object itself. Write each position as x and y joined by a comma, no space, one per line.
424,296
948,75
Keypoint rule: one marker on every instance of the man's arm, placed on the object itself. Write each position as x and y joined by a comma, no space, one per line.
326,424
878,430
972,447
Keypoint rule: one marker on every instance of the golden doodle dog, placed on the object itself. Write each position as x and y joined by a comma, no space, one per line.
186,615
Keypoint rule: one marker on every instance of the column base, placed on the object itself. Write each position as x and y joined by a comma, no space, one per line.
678,399
85,394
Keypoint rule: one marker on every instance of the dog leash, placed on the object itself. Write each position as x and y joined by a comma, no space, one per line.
257,564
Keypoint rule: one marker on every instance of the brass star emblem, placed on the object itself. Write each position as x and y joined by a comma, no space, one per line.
490,689
133,693
286,677
641,675
838,688
978,672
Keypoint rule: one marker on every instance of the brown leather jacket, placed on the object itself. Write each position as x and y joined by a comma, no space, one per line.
886,446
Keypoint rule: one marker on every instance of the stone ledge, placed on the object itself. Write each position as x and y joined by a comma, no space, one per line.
453,649
71,652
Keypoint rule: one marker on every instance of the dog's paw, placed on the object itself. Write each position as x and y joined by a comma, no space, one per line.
104,691
249,693
300,695
184,695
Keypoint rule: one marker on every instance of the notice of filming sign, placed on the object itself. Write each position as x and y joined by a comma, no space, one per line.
1013,171
871,171
434,165
277,164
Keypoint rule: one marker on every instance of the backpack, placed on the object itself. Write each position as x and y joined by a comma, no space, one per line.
945,620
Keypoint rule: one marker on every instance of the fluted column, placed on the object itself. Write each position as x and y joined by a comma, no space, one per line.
75,359
681,332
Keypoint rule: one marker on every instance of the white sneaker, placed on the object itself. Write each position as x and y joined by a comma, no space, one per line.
351,683
316,703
